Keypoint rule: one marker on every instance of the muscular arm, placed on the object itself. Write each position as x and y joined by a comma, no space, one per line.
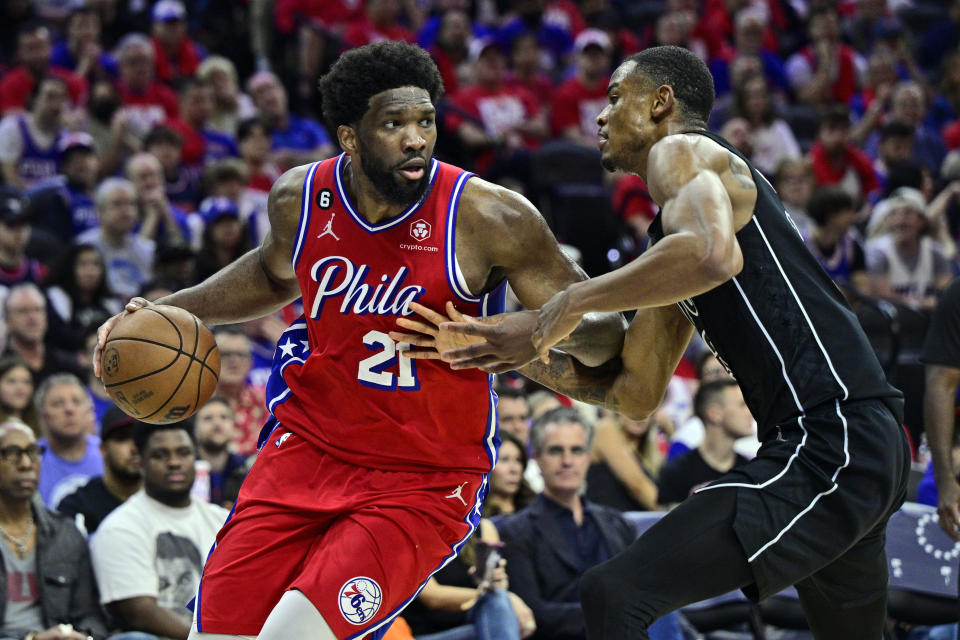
525,251
699,250
938,413
143,614
634,383
260,281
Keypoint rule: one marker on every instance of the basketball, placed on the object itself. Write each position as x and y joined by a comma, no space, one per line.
160,364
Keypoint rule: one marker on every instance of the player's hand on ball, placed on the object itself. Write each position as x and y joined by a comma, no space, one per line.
948,501
556,322
103,332
431,341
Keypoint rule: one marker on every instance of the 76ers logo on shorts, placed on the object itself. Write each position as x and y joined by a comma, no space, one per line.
360,600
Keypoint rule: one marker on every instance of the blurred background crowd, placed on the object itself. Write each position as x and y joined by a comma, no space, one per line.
139,140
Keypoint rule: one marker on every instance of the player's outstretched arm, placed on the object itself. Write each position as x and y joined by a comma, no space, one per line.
501,232
634,383
699,250
257,283
938,418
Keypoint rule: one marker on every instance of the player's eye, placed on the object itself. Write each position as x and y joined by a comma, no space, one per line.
426,122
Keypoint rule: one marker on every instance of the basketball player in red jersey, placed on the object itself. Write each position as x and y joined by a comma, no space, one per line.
372,472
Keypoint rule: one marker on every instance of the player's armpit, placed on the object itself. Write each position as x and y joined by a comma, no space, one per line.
509,236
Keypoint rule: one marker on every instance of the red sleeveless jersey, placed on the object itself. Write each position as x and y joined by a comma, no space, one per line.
339,380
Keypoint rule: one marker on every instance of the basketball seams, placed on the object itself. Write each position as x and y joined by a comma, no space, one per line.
172,324
173,393
147,354
204,365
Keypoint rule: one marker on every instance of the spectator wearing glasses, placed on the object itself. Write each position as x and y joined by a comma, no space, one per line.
247,400
72,453
50,590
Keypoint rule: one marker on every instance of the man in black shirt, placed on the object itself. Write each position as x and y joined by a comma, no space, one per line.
720,406
122,474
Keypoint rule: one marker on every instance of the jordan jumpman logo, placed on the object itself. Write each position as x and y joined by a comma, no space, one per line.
328,228
456,493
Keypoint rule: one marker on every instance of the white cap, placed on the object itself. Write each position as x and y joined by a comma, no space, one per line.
594,37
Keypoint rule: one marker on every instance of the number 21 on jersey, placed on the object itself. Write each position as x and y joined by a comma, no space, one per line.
373,371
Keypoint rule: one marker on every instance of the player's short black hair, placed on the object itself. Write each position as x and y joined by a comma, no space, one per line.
709,393
681,69
826,202
142,432
361,73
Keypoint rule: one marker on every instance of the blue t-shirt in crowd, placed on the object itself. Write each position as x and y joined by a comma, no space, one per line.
59,478
60,56
301,134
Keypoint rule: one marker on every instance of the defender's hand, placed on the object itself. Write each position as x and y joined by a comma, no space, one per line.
948,500
103,332
556,322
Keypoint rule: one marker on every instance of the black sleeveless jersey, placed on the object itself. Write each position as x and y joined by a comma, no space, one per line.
781,326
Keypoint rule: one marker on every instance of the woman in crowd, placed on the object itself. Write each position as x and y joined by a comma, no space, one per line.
16,391
626,460
509,492
456,604
773,140
78,293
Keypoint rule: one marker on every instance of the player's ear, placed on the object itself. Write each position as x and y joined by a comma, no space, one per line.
347,137
664,102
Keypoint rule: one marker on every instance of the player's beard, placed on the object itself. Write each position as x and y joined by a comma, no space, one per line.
386,180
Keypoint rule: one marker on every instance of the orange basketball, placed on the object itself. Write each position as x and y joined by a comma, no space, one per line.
160,364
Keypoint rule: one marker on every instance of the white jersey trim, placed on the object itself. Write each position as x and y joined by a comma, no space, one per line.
304,213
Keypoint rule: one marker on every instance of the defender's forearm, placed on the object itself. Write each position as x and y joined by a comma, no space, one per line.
597,340
564,374
238,292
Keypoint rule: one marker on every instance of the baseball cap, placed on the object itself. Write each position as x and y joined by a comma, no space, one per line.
13,207
114,419
76,140
901,198
168,10
592,38
212,209
479,45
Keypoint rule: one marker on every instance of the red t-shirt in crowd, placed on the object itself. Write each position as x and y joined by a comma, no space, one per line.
16,86
331,14
362,32
496,111
148,108
826,172
575,104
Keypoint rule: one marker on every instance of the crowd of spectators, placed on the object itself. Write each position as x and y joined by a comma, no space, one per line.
139,141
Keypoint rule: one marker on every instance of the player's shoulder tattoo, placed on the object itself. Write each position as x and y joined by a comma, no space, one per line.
740,172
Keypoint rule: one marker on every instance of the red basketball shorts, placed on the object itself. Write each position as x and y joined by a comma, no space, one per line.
360,543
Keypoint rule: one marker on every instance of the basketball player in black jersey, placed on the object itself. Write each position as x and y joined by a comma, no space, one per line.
726,261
